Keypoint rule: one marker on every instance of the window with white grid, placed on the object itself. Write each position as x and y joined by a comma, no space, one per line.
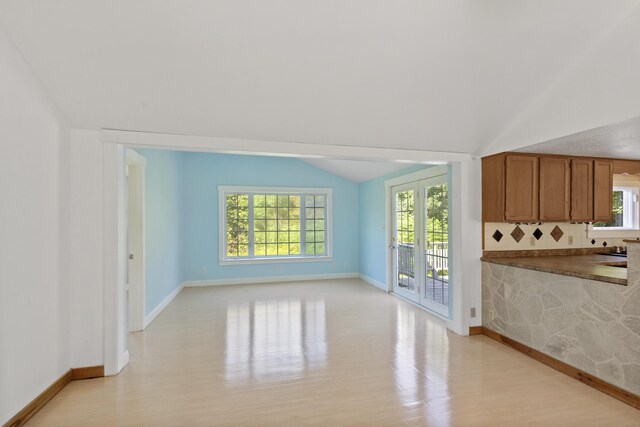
262,224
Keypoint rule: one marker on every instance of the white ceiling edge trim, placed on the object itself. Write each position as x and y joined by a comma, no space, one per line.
278,148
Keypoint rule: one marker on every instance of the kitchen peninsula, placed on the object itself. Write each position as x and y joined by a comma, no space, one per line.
578,316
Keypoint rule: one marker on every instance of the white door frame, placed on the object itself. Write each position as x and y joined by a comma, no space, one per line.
115,244
393,245
456,322
136,164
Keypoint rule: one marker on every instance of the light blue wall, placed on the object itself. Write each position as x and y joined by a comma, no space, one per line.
371,225
181,214
163,218
203,172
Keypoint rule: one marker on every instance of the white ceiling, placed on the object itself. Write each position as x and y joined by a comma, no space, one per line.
618,140
415,74
355,170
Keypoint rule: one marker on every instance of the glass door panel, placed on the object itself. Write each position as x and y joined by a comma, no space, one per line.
436,247
404,243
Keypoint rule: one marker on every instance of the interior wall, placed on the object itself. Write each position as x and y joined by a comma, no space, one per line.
34,231
371,226
203,172
163,224
87,311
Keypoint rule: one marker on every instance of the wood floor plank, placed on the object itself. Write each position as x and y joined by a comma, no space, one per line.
337,352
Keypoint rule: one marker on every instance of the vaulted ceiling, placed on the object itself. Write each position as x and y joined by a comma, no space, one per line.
455,76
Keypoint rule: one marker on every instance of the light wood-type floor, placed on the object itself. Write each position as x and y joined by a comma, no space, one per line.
324,353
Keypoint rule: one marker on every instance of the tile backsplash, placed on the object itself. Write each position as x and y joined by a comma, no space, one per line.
534,236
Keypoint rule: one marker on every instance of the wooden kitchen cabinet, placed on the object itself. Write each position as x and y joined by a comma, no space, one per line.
555,188
521,187
538,187
628,167
493,188
602,190
582,189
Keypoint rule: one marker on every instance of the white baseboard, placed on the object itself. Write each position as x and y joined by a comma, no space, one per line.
165,302
373,282
271,279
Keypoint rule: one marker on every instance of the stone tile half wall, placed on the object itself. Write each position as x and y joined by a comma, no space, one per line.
591,325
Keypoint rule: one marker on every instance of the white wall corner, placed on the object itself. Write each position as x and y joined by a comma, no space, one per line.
373,282
165,302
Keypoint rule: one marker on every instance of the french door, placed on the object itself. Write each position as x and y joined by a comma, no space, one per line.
420,242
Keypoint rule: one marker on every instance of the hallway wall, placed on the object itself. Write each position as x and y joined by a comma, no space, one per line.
34,231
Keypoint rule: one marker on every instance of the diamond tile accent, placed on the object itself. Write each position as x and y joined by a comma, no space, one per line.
604,244
497,235
517,234
593,241
557,233
537,234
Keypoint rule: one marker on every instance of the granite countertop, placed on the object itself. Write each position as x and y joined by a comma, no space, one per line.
583,266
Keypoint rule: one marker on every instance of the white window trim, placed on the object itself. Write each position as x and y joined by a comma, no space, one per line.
614,232
223,190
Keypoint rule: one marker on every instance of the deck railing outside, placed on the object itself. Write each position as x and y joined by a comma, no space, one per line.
437,260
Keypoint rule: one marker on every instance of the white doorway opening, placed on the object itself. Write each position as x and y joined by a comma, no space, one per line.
135,283
419,241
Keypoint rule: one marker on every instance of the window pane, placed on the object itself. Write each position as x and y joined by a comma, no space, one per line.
243,250
276,222
309,201
237,225
283,201
319,248
283,249
618,211
259,200
271,200
272,250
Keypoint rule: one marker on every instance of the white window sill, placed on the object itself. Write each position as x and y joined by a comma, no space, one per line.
245,261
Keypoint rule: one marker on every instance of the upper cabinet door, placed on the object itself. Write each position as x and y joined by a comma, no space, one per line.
521,190
602,190
493,188
555,188
581,189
